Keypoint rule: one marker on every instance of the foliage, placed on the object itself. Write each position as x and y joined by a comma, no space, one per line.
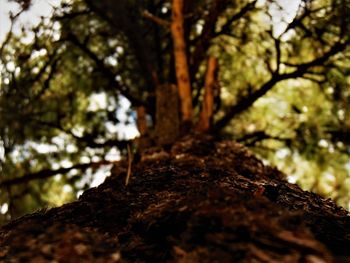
284,89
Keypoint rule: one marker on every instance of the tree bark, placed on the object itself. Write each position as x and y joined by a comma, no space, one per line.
141,120
181,61
207,112
202,200
167,114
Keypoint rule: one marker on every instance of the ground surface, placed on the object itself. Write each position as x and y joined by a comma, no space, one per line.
202,201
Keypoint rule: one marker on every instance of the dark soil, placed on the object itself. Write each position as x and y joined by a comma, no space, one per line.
201,201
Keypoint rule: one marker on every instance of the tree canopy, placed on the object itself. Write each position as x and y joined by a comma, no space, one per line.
256,71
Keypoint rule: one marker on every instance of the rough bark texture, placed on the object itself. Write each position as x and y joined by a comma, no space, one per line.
202,201
181,62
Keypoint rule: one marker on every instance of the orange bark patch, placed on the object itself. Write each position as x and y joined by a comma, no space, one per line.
181,64
206,115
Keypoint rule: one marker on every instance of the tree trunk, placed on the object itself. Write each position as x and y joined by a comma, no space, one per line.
181,61
201,201
167,114
206,116
141,120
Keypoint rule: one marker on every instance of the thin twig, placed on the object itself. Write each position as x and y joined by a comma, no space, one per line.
9,34
46,173
130,157
156,19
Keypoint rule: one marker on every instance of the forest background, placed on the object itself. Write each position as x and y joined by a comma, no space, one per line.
74,85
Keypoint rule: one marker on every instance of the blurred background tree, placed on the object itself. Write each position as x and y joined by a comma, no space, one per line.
75,86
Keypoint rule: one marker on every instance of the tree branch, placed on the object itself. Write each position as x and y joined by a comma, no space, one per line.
46,173
89,139
157,20
105,70
13,19
46,84
251,139
300,70
208,33
226,27
134,32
